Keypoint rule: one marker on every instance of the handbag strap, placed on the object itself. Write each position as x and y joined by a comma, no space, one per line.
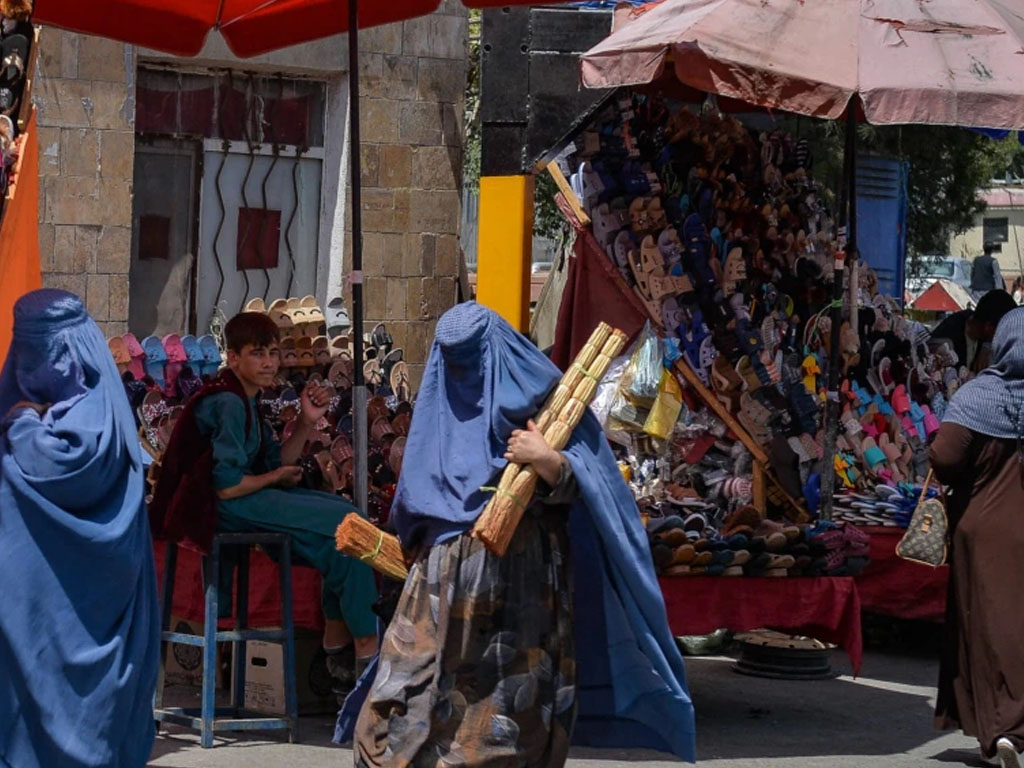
927,484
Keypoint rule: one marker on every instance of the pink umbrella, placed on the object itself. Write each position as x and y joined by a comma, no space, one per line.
942,62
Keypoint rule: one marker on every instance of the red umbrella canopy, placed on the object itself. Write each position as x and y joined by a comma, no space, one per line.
250,27
943,296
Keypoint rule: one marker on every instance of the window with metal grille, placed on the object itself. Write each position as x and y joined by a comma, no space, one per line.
227,193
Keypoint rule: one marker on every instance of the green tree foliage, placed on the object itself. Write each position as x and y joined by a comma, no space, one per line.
947,168
547,219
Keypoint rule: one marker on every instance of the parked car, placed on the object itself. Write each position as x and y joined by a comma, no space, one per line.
934,268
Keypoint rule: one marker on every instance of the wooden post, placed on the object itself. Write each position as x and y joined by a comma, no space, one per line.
721,411
505,247
570,196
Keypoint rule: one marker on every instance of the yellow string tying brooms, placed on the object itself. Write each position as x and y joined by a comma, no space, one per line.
559,416
363,540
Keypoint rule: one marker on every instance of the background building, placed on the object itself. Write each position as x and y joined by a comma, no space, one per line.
1003,223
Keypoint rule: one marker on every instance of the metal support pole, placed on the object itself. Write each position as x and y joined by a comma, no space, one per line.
358,383
847,206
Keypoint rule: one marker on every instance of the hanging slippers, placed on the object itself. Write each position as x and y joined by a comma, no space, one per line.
119,351
138,356
156,359
400,384
211,355
177,358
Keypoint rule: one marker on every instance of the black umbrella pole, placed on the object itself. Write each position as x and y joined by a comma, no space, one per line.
358,383
847,205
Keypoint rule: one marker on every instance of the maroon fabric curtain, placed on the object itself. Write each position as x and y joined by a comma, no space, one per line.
594,293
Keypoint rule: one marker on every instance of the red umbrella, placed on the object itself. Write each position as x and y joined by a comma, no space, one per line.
943,296
252,27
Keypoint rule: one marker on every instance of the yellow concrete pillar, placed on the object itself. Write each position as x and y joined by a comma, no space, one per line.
504,253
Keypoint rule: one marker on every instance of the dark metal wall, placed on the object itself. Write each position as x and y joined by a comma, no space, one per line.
530,93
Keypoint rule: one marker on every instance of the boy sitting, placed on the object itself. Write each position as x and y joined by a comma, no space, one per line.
254,479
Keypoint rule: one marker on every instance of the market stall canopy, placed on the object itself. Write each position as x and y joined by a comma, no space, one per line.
943,296
249,27
944,62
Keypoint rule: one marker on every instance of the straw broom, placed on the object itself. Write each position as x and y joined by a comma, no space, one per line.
559,416
364,541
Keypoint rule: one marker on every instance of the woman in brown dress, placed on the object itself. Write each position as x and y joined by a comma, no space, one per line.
979,455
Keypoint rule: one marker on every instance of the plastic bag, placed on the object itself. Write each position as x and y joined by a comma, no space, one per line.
604,400
667,405
645,369
607,389
638,388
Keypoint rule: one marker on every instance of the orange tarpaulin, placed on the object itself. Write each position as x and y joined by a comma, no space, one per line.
19,235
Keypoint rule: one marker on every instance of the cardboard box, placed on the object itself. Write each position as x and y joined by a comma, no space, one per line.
184,663
264,676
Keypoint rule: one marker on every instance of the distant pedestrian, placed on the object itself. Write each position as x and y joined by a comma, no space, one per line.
979,455
985,274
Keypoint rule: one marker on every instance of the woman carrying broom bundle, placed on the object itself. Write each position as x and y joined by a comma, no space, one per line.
481,665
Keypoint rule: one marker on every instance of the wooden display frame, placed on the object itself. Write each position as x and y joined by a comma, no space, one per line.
762,474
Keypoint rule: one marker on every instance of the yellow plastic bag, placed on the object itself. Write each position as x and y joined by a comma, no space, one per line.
667,405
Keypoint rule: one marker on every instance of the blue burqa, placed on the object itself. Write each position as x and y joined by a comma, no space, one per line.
482,381
79,632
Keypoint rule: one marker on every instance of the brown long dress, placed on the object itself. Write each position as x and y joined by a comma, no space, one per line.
981,679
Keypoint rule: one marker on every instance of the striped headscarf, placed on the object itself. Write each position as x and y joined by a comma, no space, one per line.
993,403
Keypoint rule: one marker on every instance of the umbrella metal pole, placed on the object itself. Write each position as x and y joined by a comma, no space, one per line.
847,206
359,437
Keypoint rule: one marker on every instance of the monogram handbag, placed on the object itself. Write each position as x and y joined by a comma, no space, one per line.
927,538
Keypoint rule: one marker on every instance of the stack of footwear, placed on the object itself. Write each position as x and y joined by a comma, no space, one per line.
309,339
745,544
724,236
161,374
884,505
173,366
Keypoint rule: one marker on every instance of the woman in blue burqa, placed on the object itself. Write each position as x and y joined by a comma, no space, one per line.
504,661
78,620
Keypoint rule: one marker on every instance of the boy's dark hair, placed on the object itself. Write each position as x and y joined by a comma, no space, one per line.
253,328
993,305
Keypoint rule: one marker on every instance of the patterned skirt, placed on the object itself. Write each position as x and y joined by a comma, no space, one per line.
478,668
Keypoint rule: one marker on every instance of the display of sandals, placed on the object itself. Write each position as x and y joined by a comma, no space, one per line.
724,234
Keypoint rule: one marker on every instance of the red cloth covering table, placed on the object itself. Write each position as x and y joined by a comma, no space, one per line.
827,609
895,587
264,592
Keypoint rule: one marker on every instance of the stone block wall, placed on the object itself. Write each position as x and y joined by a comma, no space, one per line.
413,77
85,100
412,87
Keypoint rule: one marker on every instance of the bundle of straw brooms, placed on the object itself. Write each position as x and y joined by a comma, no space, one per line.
497,524
363,540
559,416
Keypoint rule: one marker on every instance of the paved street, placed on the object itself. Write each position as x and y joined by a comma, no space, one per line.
882,719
